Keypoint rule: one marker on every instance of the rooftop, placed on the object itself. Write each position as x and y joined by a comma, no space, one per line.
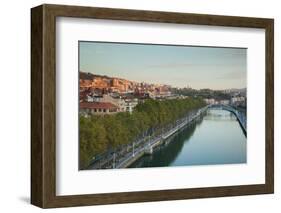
97,105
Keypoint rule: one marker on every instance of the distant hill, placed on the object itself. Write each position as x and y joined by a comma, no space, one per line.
91,76
85,76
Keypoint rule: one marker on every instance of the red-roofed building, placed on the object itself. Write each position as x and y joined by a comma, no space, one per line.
98,108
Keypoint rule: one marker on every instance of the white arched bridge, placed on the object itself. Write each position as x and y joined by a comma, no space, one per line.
241,117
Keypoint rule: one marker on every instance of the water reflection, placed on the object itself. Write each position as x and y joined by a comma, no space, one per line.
216,138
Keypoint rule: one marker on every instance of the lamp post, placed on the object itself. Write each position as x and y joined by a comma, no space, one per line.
114,160
133,149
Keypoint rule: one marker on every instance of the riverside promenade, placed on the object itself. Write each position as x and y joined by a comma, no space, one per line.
133,152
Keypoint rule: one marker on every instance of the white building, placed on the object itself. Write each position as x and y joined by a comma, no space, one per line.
131,104
224,102
237,99
116,101
210,100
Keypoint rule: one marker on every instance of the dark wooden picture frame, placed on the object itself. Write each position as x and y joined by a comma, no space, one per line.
43,105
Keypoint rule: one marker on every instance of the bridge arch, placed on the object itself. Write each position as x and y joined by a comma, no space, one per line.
242,120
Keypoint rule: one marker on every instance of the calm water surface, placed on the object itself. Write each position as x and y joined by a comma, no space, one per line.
216,138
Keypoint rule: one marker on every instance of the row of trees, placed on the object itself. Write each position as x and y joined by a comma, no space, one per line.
203,93
98,134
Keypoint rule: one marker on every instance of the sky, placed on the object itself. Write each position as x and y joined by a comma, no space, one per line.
178,66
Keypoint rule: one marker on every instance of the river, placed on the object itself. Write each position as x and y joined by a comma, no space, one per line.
215,138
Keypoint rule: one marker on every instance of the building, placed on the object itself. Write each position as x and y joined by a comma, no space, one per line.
224,102
210,101
131,104
85,83
99,108
120,103
83,95
238,100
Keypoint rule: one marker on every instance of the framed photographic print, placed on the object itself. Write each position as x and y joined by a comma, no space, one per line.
137,106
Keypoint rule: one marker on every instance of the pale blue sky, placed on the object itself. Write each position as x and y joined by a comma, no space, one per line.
178,66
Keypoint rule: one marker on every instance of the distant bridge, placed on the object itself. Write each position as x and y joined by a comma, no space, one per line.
241,117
